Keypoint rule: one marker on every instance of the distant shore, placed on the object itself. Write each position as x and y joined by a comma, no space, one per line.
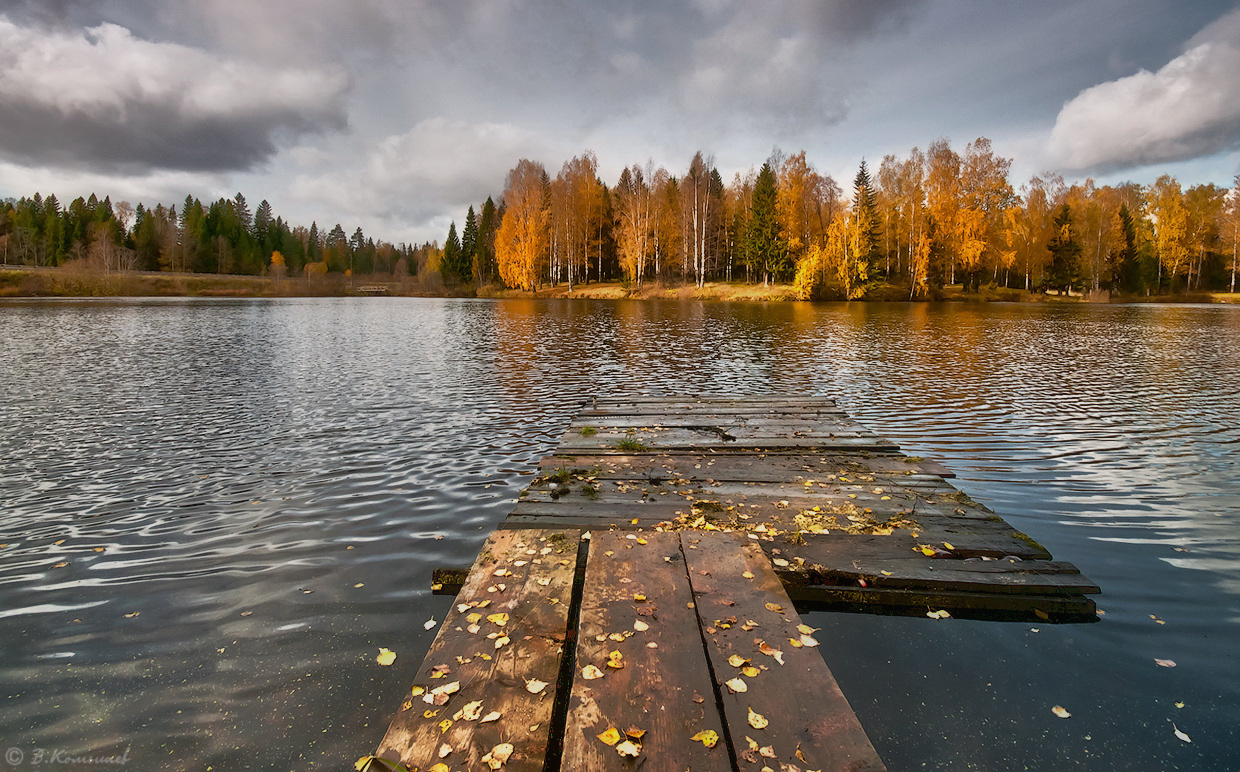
29,282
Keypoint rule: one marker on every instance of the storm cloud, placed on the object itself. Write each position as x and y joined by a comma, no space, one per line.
103,99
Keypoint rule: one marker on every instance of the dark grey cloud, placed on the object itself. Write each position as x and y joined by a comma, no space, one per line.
101,98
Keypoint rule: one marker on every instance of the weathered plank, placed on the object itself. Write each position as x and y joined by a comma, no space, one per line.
535,597
969,605
748,468
639,592
819,731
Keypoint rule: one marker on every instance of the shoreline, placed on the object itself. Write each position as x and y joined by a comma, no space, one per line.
34,282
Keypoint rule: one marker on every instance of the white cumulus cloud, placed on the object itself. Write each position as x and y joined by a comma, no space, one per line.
1188,108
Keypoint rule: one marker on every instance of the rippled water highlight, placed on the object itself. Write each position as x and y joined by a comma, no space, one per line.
218,476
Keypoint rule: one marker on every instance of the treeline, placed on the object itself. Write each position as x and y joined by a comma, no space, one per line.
221,237
917,223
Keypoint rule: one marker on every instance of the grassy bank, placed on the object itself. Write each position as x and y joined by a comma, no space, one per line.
21,281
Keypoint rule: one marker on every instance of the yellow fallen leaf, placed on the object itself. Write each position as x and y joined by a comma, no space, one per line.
500,619
757,720
707,737
534,686
470,712
1179,704
737,685
1165,662
386,657
639,597
1180,734
615,660
498,755
771,651
445,724
809,640
749,671
492,716
795,643
440,767
736,660
948,545
501,641
610,736
418,690
778,609
430,623
748,574
885,573
805,629
640,626
444,750
629,748
590,672
1058,710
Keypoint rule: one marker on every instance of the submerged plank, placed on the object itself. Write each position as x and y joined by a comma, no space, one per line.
477,676
802,716
635,612
747,468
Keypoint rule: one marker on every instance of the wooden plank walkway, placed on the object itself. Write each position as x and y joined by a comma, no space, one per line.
636,607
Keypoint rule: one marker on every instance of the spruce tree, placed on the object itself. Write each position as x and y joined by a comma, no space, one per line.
765,251
451,266
865,208
484,262
469,243
1065,252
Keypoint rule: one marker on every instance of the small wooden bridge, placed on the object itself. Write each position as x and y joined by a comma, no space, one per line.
637,607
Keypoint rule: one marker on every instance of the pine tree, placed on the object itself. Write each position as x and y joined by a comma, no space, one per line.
865,211
469,243
452,257
1065,251
765,250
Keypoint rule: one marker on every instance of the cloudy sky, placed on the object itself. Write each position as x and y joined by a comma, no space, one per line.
397,114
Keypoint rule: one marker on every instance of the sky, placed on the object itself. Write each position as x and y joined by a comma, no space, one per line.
396,115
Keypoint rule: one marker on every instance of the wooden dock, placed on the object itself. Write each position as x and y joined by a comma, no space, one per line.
636,608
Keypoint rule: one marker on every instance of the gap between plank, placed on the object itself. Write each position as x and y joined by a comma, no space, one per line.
568,662
710,667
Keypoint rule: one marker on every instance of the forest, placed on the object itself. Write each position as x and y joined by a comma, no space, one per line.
224,237
915,224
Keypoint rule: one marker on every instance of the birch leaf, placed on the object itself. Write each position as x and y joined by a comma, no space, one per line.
386,657
707,737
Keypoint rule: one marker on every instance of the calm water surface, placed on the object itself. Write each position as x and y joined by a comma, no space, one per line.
249,496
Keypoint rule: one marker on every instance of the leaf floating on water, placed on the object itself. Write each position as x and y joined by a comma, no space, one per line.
610,736
534,686
757,720
1179,704
386,657
1165,662
591,672
1157,620
737,685
429,624
1180,734
1058,710
707,737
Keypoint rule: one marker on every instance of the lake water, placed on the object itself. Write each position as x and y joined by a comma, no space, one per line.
272,481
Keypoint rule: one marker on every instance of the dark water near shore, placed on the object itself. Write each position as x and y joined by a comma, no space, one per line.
244,464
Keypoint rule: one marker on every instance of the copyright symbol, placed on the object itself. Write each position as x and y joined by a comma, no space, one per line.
14,756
